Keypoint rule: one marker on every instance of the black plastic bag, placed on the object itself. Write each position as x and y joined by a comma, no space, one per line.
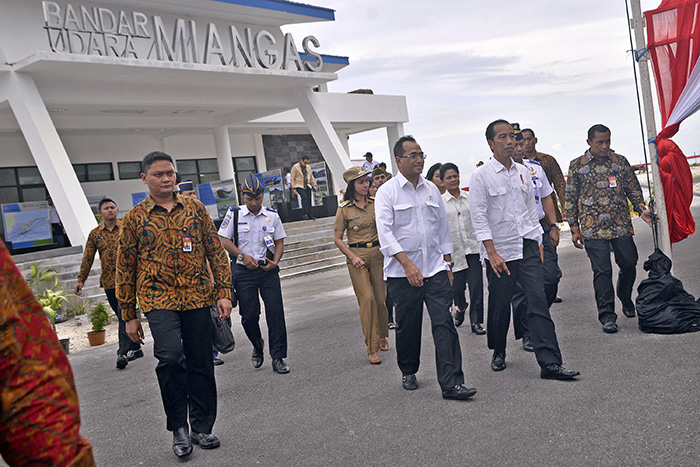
663,305
222,336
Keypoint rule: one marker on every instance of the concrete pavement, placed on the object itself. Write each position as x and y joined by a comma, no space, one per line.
636,402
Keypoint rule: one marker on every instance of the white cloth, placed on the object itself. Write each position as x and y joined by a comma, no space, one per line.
502,205
288,181
460,222
413,221
369,166
252,230
541,186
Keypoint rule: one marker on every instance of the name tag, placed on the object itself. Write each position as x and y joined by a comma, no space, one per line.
613,182
186,244
268,241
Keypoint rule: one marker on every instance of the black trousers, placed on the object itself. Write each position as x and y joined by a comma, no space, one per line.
551,274
527,273
249,283
474,277
305,194
389,307
408,300
626,257
182,344
125,343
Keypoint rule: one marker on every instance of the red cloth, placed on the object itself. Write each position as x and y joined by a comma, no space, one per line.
677,180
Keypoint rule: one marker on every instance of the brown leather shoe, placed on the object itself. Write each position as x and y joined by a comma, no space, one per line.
375,359
383,344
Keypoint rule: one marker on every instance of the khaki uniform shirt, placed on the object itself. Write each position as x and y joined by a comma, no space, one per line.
358,223
298,173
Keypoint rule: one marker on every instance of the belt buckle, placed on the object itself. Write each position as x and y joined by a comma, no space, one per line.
368,245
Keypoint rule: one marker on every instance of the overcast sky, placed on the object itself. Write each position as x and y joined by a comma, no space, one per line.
555,66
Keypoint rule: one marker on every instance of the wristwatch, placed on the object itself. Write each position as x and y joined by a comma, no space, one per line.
553,225
240,257
452,264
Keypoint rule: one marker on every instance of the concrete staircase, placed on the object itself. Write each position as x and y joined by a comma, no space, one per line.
308,248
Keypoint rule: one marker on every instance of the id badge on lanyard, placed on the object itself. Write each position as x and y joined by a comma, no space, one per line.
187,244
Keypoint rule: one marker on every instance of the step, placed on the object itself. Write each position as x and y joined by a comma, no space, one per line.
319,247
311,264
311,270
307,257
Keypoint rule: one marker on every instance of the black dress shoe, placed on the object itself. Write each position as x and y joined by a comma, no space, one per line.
257,357
610,327
498,362
182,445
134,354
459,318
205,440
478,330
409,382
218,361
458,393
629,311
556,371
278,366
527,344
558,299
122,362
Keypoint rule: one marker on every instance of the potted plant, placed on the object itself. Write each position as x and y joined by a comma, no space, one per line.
99,319
82,305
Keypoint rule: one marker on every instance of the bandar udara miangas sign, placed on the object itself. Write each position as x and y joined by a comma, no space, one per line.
100,31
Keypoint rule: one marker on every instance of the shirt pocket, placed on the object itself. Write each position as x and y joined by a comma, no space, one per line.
432,213
403,214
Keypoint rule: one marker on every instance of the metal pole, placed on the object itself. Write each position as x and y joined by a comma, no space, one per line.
637,25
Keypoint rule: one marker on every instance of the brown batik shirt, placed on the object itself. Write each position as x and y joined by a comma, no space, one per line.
597,191
555,177
105,242
162,258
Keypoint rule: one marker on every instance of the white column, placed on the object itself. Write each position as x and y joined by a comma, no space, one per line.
393,133
325,136
260,153
50,156
222,143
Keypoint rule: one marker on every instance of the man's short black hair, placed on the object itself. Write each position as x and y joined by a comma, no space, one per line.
529,130
490,132
382,165
103,201
597,128
398,147
447,166
152,157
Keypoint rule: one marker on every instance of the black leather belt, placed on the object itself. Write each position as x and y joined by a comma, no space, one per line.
364,245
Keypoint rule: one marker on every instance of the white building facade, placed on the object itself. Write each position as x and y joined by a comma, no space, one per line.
87,88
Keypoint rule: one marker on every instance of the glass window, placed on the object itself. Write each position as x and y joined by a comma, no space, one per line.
8,177
100,172
33,193
241,164
204,178
129,170
187,167
207,166
29,176
9,194
81,172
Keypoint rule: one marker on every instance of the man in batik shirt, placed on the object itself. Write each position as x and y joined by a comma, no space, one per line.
551,169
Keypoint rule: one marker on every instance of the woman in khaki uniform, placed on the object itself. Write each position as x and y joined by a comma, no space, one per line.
365,262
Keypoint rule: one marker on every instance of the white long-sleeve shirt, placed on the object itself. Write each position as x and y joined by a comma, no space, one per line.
412,220
502,205
458,218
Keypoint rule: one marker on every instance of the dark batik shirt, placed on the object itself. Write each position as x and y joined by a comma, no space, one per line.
162,258
106,242
596,196
555,177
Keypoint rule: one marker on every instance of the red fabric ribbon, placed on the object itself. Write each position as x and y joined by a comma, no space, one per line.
677,181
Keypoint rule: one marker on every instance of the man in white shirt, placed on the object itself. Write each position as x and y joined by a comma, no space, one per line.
369,164
505,220
467,267
417,249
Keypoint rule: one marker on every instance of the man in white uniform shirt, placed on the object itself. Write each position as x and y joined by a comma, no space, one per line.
505,220
417,248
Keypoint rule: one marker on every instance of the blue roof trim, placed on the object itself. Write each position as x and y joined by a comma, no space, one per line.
287,6
335,59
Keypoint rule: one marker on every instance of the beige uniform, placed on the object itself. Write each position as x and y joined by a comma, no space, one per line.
367,281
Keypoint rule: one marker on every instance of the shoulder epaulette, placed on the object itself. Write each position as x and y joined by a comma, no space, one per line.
234,208
534,162
344,203
270,209
371,197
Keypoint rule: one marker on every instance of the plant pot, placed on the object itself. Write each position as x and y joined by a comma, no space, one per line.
96,338
65,343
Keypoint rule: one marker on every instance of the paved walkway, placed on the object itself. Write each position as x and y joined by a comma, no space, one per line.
636,402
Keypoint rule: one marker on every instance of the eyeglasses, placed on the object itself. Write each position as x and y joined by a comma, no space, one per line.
415,155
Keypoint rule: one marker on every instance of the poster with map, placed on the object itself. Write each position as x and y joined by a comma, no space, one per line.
217,197
27,224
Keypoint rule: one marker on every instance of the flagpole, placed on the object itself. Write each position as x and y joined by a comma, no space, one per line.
637,25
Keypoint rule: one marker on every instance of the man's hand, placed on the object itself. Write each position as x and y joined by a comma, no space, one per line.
451,276
542,252
498,264
294,192
358,262
577,239
646,216
554,236
249,262
413,274
135,330
224,305
78,288
270,265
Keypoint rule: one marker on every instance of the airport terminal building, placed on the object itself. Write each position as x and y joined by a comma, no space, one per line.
88,87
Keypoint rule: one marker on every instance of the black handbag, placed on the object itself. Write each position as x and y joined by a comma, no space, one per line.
222,336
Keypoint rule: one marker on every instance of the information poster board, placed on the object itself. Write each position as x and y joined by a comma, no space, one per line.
272,181
217,197
136,198
321,176
27,224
